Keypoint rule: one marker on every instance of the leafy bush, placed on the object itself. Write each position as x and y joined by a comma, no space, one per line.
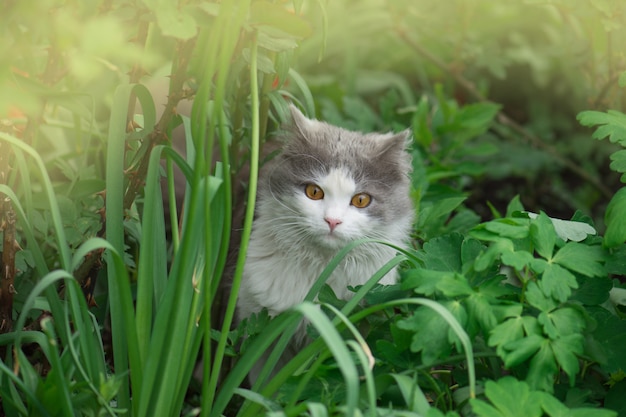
502,309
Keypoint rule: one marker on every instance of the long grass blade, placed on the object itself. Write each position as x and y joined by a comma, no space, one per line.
115,235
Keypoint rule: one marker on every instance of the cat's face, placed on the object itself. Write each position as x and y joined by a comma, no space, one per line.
331,186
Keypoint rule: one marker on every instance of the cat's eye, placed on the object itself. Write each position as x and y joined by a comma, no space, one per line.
314,192
361,200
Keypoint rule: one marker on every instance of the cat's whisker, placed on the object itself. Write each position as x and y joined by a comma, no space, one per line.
296,234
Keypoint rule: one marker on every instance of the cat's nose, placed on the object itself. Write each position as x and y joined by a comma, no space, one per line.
332,223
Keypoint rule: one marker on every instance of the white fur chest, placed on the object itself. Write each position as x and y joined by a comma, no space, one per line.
278,276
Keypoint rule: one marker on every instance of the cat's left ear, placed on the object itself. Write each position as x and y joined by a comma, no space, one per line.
397,143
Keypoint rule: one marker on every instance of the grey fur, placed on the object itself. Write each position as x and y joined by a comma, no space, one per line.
291,243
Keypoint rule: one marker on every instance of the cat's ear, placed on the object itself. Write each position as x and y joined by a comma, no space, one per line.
300,122
396,143
393,147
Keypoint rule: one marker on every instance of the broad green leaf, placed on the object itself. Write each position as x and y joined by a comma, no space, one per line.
561,322
477,116
618,159
488,257
482,409
472,120
554,408
568,229
517,259
542,368
592,291
423,281
509,227
505,332
518,351
543,235
565,350
470,249
610,333
481,311
537,298
440,209
510,398
615,219
454,286
428,338
613,124
557,282
584,259
444,253
568,321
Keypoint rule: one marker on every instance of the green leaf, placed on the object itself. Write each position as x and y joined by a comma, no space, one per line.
423,281
518,351
428,337
542,368
507,331
618,159
543,235
565,350
440,209
615,219
510,398
473,120
509,227
592,291
413,396
583,259
481,311
454,286
537,298
514,206
569,230
517,259
561,322
610,333
444,253
488,257
557,282
613,124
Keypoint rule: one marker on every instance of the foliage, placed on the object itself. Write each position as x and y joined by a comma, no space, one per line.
111,301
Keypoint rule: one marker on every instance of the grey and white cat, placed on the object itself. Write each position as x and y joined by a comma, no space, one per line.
328,187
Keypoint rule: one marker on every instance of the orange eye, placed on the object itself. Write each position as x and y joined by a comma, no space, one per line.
361,200
313,192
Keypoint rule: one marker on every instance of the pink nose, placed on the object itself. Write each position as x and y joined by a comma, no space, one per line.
332,223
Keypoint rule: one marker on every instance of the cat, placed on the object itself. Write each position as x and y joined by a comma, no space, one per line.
328,187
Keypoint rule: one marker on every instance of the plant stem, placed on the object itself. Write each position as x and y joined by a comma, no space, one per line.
247,226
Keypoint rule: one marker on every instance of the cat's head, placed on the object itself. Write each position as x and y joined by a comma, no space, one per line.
331,186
